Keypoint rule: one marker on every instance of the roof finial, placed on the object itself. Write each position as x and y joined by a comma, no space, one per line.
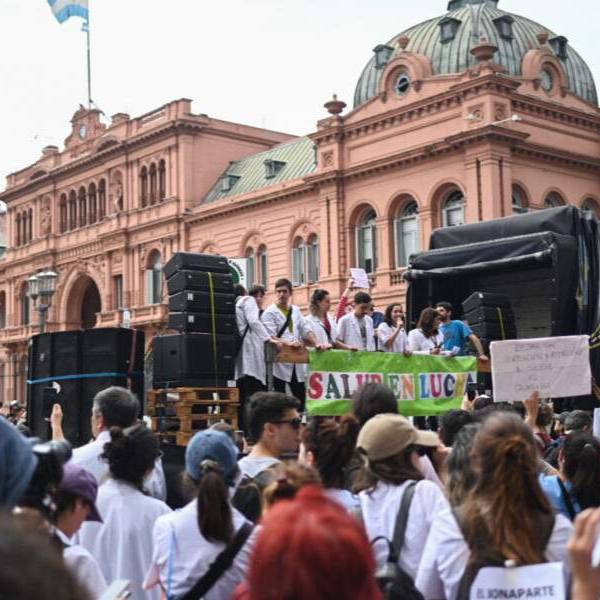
335,106
456,4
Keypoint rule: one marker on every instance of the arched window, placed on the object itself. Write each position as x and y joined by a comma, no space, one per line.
590,205
263,267
299,262
64,221
453,212
553,200
18,229
366,242
519,201
154,277
25,305
406,232
92,203
82,207
144,186
312,258
162,180
72,210
153,190
250,268
102,199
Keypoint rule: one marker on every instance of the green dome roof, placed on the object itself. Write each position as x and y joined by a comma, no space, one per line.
477,19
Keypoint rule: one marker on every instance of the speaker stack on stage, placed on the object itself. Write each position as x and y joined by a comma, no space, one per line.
490,316
202,310
71,367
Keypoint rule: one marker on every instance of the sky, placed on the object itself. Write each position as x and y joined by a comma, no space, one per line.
268,63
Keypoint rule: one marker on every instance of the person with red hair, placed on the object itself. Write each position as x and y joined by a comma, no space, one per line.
310,548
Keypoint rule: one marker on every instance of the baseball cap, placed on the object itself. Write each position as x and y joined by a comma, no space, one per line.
386,435
215,446
79,482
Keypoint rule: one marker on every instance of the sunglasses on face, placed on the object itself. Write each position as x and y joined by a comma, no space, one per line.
293,423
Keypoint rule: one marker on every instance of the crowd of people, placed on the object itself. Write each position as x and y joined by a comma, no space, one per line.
363,506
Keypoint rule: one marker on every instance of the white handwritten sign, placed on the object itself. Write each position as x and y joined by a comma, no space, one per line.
360,279
555,367
534,582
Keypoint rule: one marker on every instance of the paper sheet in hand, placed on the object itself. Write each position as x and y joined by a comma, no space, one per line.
555,367
532,582
360,279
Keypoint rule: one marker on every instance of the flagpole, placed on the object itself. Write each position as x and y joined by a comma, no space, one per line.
89,64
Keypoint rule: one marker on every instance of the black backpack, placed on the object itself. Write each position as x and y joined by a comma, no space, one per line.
248,495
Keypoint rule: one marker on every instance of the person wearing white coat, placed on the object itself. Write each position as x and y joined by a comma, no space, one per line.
426,337
391,334
323,325
356,328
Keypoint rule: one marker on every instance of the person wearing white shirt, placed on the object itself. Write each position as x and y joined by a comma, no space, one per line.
426,337
506,514
389,443
284,321
187,542
323,325
115,407
356,328
122,545
391,333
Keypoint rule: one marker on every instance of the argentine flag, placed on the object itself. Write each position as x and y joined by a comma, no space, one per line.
64,9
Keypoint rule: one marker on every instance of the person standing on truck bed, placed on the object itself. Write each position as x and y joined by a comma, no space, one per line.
456,333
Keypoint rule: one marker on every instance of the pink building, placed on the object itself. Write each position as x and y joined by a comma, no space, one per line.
473,115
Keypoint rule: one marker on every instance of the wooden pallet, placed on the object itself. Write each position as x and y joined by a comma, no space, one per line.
196,395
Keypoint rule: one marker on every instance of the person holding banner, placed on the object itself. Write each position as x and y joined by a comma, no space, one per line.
356,328
426,338
505,516
391,333
323,326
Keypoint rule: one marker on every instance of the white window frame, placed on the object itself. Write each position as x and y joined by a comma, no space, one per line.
367,224
410,213
451,205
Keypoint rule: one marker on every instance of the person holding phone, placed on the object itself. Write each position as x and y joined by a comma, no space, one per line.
426,337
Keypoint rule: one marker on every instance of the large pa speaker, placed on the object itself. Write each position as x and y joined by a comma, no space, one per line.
188,360
112,350
478,299
192,261
199,302
188,322
199,281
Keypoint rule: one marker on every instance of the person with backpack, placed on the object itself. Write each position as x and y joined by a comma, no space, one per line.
577,487
203,550
504,517
250,369
392,489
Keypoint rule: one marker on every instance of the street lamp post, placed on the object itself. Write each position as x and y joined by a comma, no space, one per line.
42,286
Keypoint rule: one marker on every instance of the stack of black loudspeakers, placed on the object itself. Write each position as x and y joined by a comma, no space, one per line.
82,363
490,316
202,310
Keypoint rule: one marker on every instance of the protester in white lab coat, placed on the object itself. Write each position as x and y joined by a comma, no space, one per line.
122,545
115,407
391,333
356,328
250,369
187,542
426,337
389,444
284,321
323,324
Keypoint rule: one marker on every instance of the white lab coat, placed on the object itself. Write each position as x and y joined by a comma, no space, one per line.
182,555
419,344
385,332
274,319
320,331
122,545
251,358
348,331
88,457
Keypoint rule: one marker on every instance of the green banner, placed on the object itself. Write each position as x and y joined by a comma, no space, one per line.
424,384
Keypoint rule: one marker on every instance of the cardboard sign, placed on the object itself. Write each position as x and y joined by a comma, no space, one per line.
555,367
360,279
534,582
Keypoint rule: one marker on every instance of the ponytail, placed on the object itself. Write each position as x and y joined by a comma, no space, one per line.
582,468
215,519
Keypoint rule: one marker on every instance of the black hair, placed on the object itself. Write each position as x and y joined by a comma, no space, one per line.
461,476
118,406
65,501
482,402
283,282
387,318
578,420
582,468
445,305
373,399
362,298
267,407
317,296
481,414
239,290
131,453
257,290
451,423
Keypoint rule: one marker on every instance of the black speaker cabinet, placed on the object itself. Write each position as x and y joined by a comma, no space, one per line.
198,281
112,350
199,302
478,299
489,314
188,322
192,261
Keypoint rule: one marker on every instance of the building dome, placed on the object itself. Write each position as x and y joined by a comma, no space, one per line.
447,42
